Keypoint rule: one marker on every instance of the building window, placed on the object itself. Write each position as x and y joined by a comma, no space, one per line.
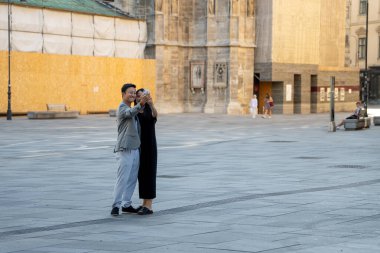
363,7
362,48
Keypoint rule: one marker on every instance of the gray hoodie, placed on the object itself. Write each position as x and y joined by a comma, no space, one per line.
128,128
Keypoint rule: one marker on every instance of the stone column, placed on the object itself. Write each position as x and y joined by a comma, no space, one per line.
163,41
234,106
235,83
211,55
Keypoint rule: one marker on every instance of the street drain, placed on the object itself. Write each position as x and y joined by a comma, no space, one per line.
169,176
349,166
282,141
309,157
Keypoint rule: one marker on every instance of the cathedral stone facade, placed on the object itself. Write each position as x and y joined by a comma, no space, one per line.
204,53
213,55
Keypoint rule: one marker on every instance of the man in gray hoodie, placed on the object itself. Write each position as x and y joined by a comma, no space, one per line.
127,150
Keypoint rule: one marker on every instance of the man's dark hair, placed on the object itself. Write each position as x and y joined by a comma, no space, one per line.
126,86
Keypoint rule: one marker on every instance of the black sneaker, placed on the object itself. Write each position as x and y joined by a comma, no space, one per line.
130,209
144,211
115,211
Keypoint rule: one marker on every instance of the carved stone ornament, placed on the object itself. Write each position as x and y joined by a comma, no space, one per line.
211,7
234,6
360,31
174,7
197,76
158,5
220,74
250,8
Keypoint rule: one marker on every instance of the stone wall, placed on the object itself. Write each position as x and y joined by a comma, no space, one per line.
300,46
204,53
346,86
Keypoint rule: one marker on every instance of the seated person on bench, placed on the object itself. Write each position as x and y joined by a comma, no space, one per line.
354,115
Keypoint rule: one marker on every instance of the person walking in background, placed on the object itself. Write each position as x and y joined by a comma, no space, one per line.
127,150
253,106
271,105
148,158
266,106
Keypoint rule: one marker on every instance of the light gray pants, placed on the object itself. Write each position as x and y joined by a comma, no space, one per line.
128,167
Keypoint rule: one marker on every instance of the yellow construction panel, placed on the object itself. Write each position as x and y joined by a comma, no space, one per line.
87,84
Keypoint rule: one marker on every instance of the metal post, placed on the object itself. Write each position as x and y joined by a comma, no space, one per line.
366,94
9,111
332,127
366,38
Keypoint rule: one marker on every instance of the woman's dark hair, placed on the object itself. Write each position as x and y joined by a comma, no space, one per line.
142,90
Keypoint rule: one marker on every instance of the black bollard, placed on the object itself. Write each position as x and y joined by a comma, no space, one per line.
332,127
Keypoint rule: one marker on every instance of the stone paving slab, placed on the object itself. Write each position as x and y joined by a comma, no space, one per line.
225,184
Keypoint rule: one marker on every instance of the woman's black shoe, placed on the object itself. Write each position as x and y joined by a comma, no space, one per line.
144,211
130,209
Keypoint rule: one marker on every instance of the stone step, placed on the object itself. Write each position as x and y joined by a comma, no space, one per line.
354,124
376,120
53,115
112,113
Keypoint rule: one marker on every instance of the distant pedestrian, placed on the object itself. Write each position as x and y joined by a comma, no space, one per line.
266,107
127,150
271,105
148,158
253,106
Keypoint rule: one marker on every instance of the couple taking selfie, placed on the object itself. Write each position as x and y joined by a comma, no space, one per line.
136,151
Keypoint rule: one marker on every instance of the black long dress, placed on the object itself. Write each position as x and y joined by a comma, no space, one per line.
148,155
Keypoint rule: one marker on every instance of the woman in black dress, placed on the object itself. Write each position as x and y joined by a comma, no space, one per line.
148,155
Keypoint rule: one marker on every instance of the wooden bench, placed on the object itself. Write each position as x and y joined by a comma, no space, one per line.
57,107
356,124
54,111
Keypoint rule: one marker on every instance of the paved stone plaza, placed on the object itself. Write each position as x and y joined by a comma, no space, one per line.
225,184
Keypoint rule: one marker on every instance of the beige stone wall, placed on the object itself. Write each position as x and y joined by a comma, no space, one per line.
332,38
302,47
309,32
330,63
311,94
300,95
296,31
346,83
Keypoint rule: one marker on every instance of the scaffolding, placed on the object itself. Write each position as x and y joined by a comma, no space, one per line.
131,8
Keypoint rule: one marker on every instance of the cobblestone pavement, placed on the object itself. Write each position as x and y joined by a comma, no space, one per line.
225,184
